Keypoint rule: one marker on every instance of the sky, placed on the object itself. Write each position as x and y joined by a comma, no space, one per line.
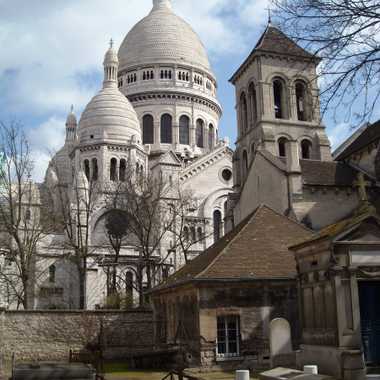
51,54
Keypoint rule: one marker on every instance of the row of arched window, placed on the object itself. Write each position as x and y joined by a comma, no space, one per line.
248,103
192,234
148,75
91,172
184,76
305,148
166,131
132,78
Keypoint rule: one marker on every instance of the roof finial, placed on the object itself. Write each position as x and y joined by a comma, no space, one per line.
111,43
72,108
162,4
269,16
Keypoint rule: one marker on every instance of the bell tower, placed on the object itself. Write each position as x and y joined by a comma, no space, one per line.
277,103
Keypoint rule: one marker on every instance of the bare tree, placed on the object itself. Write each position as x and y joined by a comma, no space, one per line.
152,205
74,204
346,35
23,221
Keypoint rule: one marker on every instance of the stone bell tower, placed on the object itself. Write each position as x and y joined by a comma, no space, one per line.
278,109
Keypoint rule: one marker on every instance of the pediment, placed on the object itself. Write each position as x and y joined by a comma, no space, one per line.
368,230
169,158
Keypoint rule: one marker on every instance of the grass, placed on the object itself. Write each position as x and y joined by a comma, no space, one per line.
120,372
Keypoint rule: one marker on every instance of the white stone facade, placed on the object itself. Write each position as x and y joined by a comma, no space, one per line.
158,112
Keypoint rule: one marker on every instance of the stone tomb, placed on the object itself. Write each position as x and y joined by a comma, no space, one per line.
53,371
280,340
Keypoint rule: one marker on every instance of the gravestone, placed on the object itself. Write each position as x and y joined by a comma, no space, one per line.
280,340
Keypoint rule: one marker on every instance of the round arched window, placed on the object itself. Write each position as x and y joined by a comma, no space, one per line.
227,174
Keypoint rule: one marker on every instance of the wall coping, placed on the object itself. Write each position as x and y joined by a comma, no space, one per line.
78,312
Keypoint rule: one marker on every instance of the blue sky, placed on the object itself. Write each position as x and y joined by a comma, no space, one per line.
51,55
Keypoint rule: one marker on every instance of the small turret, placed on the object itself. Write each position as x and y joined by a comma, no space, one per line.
111,65
71,126
161,4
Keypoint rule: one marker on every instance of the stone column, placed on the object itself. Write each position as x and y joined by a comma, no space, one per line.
192,135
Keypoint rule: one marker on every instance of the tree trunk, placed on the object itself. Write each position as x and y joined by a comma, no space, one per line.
82,273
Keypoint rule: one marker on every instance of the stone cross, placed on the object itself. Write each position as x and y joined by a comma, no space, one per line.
362,185
111,43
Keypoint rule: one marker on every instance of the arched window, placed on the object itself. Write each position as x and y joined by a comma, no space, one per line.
252,103
186,233
199,133
217,225
306,149
279,99
87,169
184,130
113,167
243,113
166,129
301,100
95,170
245,163
282,147
193,234
200,234
52,270
122,170
28,215
253,148
211,137
148,129
129,287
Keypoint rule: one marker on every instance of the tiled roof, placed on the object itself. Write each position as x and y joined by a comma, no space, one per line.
276,42
369,135
255,249
327,173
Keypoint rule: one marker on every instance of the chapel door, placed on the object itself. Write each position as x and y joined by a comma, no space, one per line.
369,296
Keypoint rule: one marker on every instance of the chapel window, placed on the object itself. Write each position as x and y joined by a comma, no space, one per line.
306,149
166,129
217,218
211,137
199,133
95,170
52,270
122,170
184,130
148,129
252,103
113,167
301,100
129,287
282,145
279,99
87,169
228,336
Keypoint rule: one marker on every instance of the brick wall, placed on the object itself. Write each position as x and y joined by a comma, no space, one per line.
49,335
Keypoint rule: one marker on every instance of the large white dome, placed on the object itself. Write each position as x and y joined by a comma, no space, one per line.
162,37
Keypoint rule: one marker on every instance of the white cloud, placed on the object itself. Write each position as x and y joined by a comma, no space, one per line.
52,51
338,134
44,141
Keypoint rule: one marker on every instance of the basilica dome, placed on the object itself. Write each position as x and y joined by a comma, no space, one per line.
162,36
109,116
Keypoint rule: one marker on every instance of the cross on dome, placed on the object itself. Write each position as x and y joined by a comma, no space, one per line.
160,4
111,43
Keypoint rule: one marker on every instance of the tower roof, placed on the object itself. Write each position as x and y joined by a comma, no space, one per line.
273,41
162,37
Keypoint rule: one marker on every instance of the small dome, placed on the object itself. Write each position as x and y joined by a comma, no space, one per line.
162,37
109,117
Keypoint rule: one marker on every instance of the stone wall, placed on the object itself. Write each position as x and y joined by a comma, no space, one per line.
49,335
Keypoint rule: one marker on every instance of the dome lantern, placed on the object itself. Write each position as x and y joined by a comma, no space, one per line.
71,126
111,65
159,4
